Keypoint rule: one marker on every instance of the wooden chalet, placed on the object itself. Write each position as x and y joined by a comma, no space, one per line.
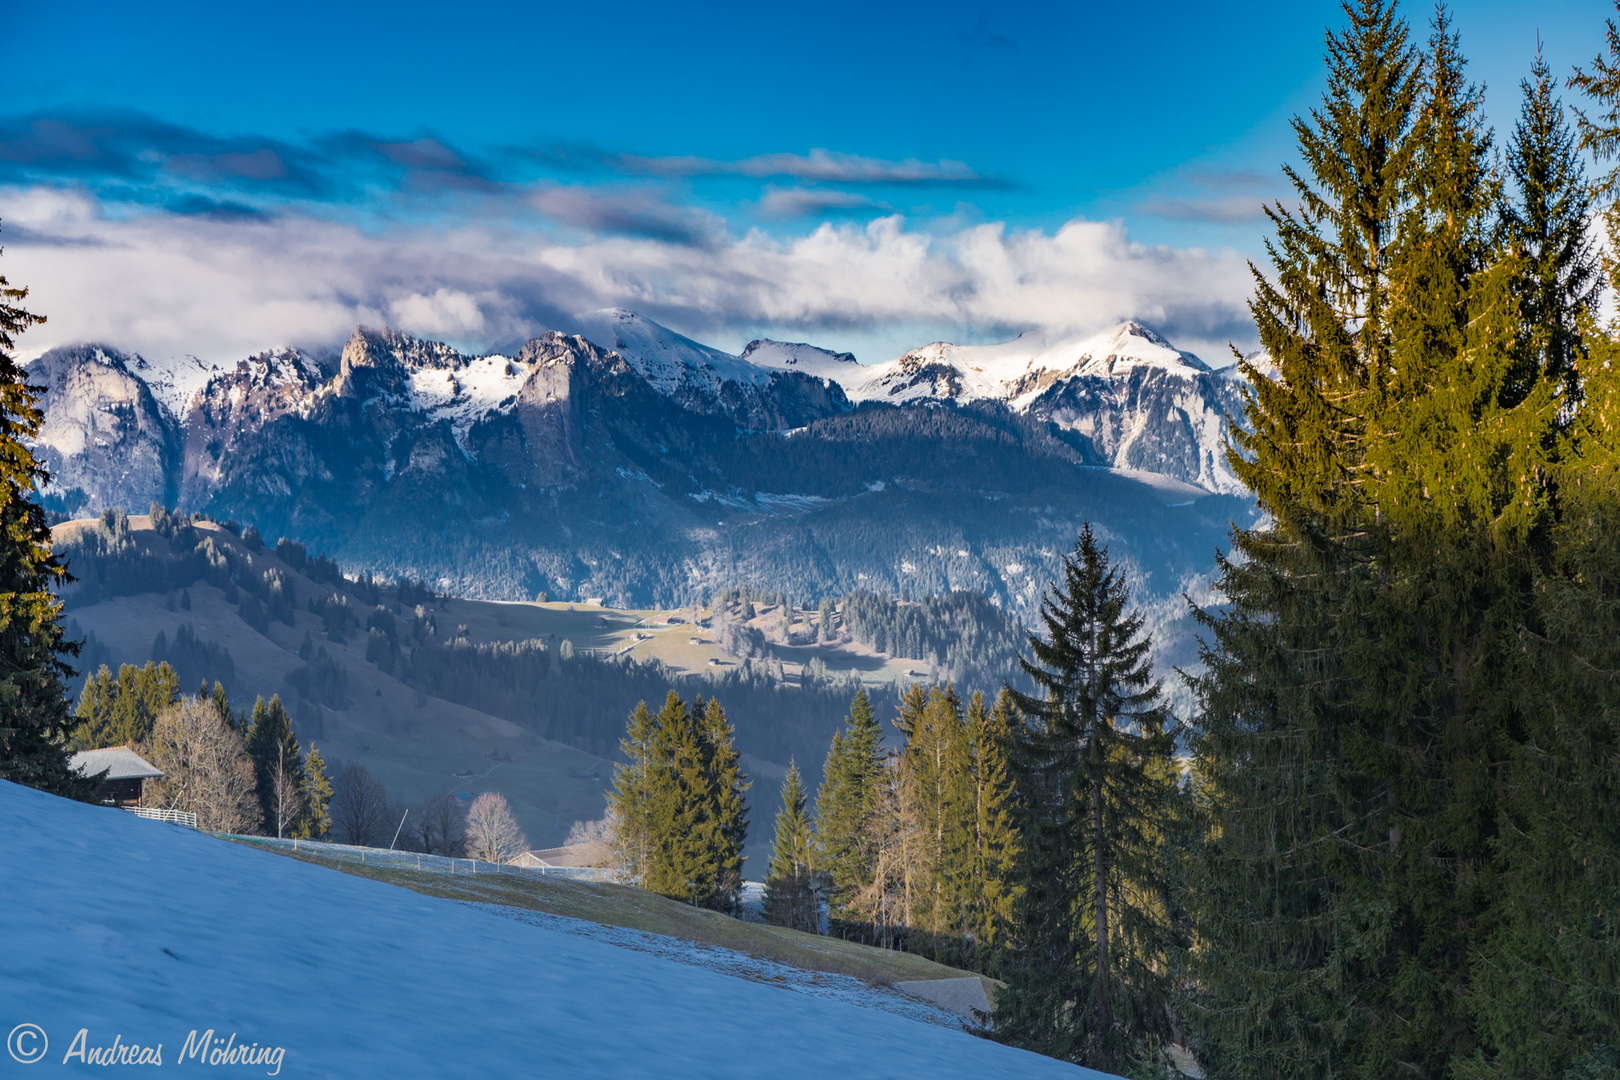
121,771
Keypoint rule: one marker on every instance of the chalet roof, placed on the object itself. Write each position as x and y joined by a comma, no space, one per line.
113,763
559,857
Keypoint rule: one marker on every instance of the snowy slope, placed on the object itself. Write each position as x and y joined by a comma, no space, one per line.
144,932
468,393
669,361
176,380
842,368
1014,371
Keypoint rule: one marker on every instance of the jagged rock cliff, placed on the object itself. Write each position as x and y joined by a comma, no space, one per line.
106,440
642,466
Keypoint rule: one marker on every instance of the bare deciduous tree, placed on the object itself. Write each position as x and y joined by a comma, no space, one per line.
359,808
286,802
205,769
594,842
436,827
893,832
492,833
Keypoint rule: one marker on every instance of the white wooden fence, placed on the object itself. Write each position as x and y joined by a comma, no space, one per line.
410,860
173,817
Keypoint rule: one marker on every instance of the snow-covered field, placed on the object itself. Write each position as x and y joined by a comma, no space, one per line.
142,933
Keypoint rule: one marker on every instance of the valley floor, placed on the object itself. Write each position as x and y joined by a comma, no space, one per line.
143,933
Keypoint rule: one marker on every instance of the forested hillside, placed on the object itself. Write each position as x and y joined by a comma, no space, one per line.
391,674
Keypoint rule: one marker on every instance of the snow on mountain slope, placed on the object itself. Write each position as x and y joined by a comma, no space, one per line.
143,933
176,380
468,393
1015,371
842,368
670,362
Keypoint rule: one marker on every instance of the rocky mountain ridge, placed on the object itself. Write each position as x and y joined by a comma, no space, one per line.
645,467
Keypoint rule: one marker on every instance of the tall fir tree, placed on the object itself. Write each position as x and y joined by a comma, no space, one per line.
317,798
1599,132
1086,969
1270,740
222,705
932,773
1357,702
726,791
850,780
1546,992
680,803
995,851
790,894
1545,217
120,710
35,717
630,798
271,744
676,805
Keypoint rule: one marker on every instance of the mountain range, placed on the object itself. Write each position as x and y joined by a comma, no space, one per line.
628,462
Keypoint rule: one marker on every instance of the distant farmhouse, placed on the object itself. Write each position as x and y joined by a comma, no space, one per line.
121,771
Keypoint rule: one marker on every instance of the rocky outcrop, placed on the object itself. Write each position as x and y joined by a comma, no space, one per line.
106,440
1149,420
659,467
548,406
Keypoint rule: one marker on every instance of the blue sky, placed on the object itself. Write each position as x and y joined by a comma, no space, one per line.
218,178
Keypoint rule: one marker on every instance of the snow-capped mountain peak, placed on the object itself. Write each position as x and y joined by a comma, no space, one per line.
808,359
1013,371
1131,345
670,362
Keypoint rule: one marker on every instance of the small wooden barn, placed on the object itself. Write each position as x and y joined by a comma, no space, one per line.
121,771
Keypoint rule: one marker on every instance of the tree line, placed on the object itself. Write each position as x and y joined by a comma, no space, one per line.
961,633
1406,752
239,772
1394,848
246,772
1035,836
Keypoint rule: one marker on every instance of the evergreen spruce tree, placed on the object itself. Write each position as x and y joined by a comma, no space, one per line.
1545,992
790,895
1600,132
630,798
317,798
120,711
1270,742
680,802
1546,221
850,779
34,714
222,705
271,745
994,856
931,770
675,800
727,811
1086,969
1359,700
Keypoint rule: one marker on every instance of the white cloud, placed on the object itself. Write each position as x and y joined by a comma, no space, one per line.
445,314
222,289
